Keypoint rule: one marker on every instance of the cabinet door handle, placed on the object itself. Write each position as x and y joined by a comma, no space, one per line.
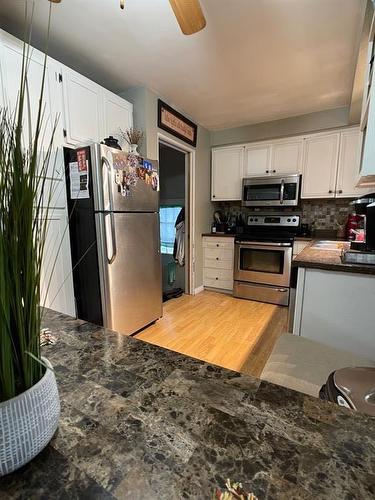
217,244
340,191
216,278
267,171
274,171
217,258
330,191
213,196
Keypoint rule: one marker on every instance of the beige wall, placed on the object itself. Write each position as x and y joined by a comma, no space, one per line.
295,125
145,117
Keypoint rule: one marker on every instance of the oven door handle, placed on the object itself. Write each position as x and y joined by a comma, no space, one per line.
282,191
263,244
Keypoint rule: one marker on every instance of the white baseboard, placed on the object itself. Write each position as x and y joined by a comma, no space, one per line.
198,290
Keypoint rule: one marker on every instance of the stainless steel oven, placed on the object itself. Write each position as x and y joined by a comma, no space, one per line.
271,191
263,259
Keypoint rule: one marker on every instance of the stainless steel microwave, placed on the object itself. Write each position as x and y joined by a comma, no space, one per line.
271,191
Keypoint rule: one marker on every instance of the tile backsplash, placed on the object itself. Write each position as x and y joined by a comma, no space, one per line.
327,214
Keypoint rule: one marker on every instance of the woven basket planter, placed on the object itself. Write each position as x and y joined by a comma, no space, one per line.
28,422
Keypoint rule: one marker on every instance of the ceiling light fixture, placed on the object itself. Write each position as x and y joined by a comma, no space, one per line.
188,13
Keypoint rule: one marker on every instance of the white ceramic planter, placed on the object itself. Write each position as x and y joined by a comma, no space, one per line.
28,422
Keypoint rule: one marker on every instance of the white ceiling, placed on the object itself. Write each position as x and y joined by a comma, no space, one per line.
257,60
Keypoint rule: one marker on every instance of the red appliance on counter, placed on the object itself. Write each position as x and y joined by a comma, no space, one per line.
353,223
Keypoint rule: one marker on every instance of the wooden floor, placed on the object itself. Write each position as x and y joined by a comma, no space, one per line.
234,333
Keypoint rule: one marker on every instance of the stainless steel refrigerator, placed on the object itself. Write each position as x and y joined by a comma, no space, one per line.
113,201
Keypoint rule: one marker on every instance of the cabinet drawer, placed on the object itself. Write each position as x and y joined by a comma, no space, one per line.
222,284
218,274
218,253
210,242
219,263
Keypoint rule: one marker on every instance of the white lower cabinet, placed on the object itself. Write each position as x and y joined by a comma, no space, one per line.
328,305
57,281
218,255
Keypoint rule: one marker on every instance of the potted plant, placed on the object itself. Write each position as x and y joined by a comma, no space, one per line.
29,400
133,136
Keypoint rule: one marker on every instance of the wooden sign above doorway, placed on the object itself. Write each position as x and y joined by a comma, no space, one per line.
176,124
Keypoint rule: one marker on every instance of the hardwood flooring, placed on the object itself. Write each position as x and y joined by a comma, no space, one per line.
229,332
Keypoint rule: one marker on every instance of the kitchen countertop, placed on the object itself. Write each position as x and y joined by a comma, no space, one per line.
330,260
142,422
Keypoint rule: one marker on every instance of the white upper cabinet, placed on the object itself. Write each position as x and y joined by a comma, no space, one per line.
277,158
257,159
368,116
321,153
227,172
286,157
349,165
11,69
82,106
118,115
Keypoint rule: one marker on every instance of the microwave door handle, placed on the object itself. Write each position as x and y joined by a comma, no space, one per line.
282,192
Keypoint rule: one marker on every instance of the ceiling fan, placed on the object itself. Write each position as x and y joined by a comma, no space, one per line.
188,13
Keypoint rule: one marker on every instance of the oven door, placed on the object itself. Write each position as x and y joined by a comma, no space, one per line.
267,263
271,191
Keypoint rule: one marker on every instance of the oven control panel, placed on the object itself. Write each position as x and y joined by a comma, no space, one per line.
290,220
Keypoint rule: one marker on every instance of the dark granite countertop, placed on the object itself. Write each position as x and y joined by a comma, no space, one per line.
141,422
330,260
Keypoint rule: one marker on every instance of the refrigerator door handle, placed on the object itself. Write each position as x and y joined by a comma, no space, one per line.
107,179
111,237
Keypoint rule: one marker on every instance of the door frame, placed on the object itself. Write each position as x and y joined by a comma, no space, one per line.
190,197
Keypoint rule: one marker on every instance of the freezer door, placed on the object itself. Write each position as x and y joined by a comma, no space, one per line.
121,185
130,270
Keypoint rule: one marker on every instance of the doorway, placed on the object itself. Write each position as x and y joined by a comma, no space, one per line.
174,224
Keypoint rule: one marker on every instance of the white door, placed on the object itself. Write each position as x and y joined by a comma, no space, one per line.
286,157
320,165
56,280
82,108
118,116
226,175
349,165
257,160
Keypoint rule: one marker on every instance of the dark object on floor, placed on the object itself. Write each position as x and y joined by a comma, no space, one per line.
172,294
351,387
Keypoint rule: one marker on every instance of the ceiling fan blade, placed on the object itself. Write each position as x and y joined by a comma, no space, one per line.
189,15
